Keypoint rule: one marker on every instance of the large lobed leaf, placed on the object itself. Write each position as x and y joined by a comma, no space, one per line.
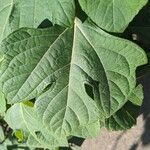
112,15
15,14
77,79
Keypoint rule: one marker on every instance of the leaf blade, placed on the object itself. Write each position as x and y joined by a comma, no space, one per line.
112,15
91,58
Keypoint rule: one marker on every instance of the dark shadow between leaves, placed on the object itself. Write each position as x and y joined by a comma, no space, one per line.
140,27
45,24
145,138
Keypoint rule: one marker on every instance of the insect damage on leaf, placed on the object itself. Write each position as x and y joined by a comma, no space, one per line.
68,60
66,80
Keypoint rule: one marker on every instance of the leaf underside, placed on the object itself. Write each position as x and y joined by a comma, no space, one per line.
125,118
58,68
70,79
112,15
15,14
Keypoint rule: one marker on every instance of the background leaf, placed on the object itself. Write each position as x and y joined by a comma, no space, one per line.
15,14
2,136
124,118
112,15
33,131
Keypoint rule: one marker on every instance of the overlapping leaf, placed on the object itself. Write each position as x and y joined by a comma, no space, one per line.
112,15
15,14
22,117
77,79
125,118
2,136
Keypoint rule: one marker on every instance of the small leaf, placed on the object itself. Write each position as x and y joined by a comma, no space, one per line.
19,134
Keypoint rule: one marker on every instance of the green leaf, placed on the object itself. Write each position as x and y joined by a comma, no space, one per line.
2,104
77,79
11,144
28,103
112,15
89,131
15,14
137,96
20,135
6,7
123,119
22,117
2,136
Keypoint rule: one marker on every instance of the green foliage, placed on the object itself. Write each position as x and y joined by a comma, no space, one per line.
15,14
68,79
112,15
2,104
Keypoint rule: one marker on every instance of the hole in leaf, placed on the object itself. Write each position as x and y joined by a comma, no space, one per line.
48,87
40,135
37,133
45,24
89,90
33,100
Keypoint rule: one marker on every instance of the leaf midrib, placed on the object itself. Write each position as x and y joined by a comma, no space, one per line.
103,68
